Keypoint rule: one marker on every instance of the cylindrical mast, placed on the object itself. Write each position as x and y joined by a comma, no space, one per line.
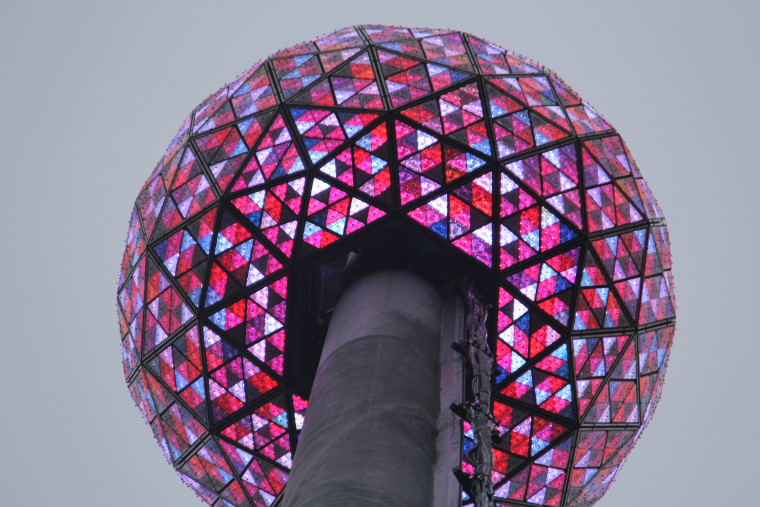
370,434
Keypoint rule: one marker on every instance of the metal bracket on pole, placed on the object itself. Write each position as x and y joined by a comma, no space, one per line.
478,354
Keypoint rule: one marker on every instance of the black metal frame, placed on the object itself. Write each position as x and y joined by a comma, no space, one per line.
312,291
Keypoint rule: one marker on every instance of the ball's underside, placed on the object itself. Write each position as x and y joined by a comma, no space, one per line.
477,151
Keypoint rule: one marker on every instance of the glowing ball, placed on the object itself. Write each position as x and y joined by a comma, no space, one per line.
483,155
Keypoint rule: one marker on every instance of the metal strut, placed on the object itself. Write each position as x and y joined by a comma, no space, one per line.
478,410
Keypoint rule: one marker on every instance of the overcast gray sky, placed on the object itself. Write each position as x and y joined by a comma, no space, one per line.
91,93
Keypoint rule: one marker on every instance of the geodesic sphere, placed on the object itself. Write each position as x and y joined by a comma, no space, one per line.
484,154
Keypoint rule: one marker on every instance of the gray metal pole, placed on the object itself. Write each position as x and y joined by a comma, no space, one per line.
370,433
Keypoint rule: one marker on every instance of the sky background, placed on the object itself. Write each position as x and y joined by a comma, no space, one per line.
91,93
